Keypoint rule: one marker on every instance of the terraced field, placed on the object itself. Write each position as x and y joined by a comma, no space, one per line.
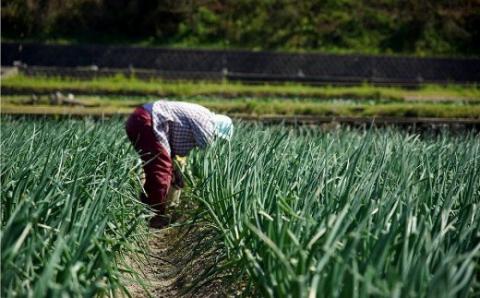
118,95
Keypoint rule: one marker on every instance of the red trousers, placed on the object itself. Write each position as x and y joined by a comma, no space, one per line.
157,162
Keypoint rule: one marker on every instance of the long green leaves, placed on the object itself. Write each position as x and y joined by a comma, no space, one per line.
69,212
345,213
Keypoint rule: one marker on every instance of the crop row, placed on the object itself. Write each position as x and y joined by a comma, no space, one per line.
293,212
300,213
69,214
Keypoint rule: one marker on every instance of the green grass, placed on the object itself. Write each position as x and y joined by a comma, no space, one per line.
239,99
69,215
258,107
347,213
123,85
312,108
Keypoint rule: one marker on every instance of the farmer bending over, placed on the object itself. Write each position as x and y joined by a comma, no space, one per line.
160,131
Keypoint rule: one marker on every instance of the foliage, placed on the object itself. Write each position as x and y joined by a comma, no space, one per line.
295,212
426,27
69,215
343,214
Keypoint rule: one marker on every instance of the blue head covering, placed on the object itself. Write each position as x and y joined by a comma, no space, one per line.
223,126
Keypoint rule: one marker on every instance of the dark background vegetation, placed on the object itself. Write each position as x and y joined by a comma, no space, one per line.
412,27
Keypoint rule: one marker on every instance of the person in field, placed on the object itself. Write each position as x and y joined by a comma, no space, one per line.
161,130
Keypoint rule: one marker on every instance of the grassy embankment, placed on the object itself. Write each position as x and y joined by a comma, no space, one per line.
119,94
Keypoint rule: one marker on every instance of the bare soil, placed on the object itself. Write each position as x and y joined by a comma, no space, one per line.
172,266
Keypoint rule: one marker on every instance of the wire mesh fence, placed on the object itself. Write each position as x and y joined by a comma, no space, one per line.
95,60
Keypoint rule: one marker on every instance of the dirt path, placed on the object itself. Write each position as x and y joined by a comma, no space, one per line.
159,273
171,267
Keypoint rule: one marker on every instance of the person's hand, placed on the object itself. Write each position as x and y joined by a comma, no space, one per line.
178,178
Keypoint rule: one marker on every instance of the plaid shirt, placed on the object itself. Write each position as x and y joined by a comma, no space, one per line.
181,126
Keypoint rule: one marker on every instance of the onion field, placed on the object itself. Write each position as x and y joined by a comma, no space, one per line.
69,216
301,213
291,211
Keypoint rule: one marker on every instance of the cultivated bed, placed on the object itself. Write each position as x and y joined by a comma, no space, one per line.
280,212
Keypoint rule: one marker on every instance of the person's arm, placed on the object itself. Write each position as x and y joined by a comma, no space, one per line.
161,133
177,177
